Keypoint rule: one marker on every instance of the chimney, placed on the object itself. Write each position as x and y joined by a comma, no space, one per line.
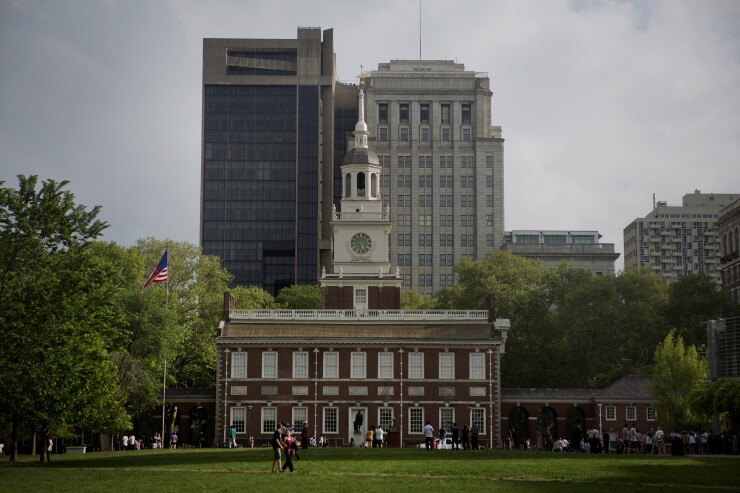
229,304
626,367
491,307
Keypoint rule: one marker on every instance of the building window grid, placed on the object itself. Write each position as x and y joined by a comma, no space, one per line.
269,364
478,417
300,364
238,418
331,365
385,417
477,366
238,365
650,413
446,366
358,367
416,366
611,413
630,413
446,418
331,423
416,420
269,419
300,414
385,365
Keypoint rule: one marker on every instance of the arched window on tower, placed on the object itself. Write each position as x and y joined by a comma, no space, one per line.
361,184
347,185
374,185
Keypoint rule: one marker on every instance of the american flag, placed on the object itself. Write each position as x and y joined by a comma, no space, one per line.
159,274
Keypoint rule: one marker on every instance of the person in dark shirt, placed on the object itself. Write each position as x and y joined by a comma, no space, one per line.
455,436
277,446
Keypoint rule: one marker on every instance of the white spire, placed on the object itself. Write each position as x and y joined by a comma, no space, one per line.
361,126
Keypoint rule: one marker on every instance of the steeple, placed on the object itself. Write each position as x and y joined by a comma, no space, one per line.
361,126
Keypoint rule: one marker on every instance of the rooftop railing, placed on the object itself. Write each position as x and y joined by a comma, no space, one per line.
347,315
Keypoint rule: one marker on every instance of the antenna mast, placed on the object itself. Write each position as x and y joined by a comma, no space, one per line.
419,29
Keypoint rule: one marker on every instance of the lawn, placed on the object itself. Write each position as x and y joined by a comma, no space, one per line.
368,470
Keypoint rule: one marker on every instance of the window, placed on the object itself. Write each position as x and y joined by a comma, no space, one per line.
478,417
466,132
650,413
446,418
403,113
404,239
445,260
331,424
300,365
425,181
383,134
445,114
385,417
425,240
300,414
466,114
467,240
477,366
445,221
631,413
489,220
404,134
404,161
424,134
416,365
446,365
425,220
331,365
489,181
238,418
416,420
385,365
358,365
424,112
445,134
269,419
404,181
489,240
489,162
383,112
360,296
425,162
425,260
445,162
238,365
611,413
269,365
489,200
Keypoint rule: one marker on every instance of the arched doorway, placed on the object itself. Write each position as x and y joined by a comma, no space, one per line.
199,427
546,427
575,422
518,426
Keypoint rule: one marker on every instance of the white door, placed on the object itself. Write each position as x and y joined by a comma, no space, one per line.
360,303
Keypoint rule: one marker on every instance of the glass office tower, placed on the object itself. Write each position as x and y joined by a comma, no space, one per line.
267,157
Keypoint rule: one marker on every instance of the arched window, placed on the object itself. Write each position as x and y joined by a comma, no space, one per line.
374,185
360,184
347,185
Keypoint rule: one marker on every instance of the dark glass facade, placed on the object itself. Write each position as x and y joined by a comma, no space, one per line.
307,207
249,183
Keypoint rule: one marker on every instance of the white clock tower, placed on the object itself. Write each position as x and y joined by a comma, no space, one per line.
361,267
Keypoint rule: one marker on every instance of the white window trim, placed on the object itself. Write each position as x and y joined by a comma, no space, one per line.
483,421
452,419
354,355
296,355
325,366
239,410
451,357
421,432
238,355
647,413
614,413
420,356
323,420
302,418
262,419
482,357
264,373
627,413
392,372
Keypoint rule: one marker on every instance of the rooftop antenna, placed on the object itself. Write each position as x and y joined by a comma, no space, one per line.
419,29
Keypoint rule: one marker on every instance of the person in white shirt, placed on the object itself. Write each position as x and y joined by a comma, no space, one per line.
379,435
124,442
428,435
659,442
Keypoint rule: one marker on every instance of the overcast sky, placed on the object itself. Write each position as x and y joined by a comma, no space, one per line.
602,103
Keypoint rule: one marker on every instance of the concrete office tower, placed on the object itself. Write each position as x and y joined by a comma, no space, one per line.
267,156
677,241
430,125
582,248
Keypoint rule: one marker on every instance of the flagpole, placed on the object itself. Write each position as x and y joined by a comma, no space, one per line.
164,399
166,306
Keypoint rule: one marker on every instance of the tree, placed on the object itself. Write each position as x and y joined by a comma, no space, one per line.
253,298
692,301
414,300
720,397
55,311
300,297
678,372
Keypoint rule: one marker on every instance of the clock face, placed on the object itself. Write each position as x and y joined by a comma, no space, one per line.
361,243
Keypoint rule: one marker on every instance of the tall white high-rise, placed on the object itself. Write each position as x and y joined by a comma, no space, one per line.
429,122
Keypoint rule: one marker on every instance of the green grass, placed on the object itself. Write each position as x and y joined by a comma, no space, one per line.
382,470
